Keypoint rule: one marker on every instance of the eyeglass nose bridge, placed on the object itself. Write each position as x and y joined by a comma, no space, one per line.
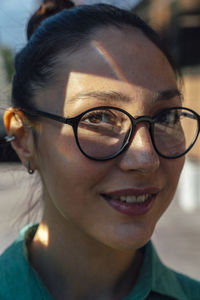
142,119
135,122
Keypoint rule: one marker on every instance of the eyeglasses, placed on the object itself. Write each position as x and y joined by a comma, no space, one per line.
104,132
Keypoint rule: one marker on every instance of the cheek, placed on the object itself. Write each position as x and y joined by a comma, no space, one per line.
174,167
172,170
66,172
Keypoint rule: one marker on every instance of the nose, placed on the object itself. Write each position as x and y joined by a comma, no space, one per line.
140,154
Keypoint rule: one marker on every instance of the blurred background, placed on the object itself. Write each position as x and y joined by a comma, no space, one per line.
177,236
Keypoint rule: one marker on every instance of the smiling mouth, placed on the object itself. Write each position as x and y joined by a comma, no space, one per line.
130,198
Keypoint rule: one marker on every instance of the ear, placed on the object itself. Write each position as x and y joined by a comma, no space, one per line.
16,125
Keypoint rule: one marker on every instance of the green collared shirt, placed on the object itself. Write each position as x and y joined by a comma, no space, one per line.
19,281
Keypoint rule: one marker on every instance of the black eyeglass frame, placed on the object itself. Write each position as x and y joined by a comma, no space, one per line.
74,122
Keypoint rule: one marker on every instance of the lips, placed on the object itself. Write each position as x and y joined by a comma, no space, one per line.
132,202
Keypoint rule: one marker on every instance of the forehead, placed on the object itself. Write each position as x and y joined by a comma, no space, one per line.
121,54
124,59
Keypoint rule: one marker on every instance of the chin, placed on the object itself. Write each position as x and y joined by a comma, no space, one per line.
130,241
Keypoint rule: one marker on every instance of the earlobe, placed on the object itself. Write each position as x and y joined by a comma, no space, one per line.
23,142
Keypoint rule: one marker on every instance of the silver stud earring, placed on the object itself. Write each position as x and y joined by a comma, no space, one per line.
28,167
9,138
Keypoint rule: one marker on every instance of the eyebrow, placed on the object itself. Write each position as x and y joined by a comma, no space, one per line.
113,96
167,95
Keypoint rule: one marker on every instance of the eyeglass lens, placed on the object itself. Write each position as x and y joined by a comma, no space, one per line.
175,131
103,133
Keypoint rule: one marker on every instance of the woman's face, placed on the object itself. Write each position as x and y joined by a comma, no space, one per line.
92,197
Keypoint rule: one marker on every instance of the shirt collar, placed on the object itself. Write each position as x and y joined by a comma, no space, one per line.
155,277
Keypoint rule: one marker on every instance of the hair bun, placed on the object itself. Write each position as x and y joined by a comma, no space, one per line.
47,9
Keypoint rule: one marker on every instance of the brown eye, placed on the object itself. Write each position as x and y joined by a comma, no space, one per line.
97,117
170,118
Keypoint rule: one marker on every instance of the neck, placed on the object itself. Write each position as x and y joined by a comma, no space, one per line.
76,260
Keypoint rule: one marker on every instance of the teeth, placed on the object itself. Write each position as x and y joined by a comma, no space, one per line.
123,198
134,199
131,199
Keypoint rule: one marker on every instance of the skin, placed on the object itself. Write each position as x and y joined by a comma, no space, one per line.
79,230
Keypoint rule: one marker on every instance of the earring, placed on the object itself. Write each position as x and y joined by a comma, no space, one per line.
28,167
9,138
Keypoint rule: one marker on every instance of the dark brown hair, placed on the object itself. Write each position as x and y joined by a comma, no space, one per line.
47,9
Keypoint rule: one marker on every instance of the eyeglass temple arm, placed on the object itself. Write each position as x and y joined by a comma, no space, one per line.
49,116
192,116
189,115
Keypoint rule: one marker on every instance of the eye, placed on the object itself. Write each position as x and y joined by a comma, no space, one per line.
100,117
105,121
169,118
